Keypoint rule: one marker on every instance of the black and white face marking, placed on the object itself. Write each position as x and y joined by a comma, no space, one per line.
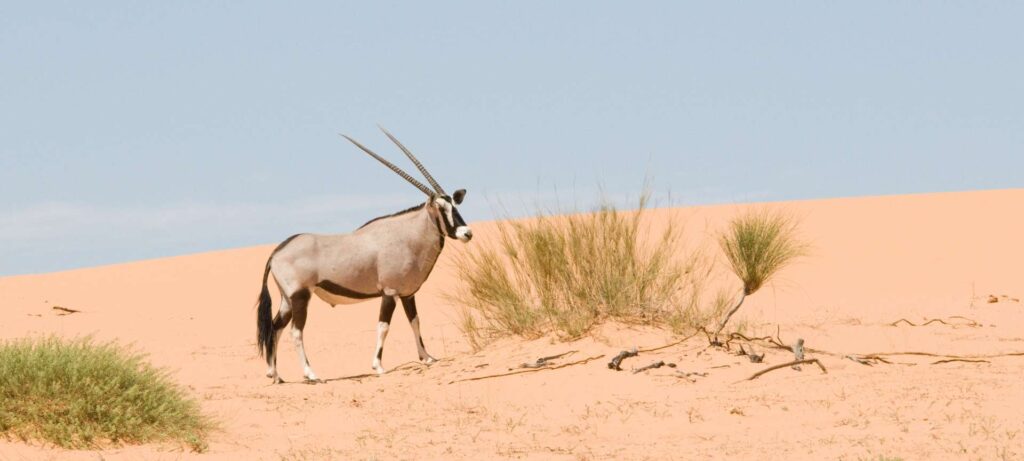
455,227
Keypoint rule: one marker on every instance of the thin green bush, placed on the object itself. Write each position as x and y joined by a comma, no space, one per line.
568,273
758,244
78,394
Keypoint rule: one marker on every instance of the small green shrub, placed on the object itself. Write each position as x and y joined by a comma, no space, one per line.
566,274
758,244
77,394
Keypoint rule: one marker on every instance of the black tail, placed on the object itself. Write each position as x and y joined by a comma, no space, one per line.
264,323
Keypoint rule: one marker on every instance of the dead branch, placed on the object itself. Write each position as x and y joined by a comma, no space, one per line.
658,364
65,310
970,322
960,360
788,364
931,354
687,375
616,362
543,361
863,360
529,370
652,349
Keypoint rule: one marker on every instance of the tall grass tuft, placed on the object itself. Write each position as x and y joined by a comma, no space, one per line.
78,394
568,273
757,244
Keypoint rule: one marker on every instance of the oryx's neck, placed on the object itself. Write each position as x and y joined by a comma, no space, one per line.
414,229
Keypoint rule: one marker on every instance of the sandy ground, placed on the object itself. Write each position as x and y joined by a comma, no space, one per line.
875,260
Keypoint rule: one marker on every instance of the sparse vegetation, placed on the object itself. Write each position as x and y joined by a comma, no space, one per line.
757,245
568,273
78,394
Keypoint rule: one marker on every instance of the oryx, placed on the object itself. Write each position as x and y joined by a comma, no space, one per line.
388,257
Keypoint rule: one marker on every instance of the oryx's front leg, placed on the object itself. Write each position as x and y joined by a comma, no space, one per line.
409,304
387,309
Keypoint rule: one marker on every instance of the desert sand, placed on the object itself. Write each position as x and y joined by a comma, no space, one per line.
875,260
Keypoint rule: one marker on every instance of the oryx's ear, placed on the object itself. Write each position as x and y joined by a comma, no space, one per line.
458,196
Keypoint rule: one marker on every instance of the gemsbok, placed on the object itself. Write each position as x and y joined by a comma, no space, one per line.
388,257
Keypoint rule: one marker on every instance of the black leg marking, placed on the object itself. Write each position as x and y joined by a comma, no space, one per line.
409,304
380,353
387,309
280,321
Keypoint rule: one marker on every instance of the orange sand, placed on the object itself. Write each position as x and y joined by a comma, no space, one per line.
875,260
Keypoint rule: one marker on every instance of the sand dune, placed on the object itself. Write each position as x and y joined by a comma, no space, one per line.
874,261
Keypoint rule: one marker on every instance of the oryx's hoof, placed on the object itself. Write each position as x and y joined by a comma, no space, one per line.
314,381
429,360
278,380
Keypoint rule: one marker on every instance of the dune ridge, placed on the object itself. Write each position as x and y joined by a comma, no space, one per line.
873,262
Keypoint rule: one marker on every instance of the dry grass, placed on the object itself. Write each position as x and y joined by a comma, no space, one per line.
76,394
568,273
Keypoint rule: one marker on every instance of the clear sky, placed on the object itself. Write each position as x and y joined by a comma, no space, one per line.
144,129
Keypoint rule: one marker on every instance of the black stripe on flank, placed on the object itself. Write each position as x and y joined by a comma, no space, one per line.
338,290
407,210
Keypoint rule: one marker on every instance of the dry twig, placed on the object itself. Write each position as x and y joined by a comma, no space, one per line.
616,363
658,364
960,360
528,370
970,323
788,364
670,344
65,310
543,361
687,375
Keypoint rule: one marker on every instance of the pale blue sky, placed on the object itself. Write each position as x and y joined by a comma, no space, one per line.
144,129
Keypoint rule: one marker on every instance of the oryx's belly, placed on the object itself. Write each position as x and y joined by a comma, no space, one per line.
335,299
335,294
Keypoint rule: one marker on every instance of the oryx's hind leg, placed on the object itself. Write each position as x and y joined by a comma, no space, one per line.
387,309
299,303
409,304
284,315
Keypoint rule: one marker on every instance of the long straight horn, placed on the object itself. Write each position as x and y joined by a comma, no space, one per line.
426,174
394,168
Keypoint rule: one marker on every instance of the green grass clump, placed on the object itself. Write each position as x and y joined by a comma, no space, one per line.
78,394
758,244
566,274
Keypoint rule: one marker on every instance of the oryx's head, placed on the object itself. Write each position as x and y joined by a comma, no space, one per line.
441,205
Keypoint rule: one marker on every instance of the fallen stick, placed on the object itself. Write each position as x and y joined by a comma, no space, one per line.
971,323
67,311
862,360
788,364
960,360
669,344
686,375
542,361
658,364
528,370
932,354
616,362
